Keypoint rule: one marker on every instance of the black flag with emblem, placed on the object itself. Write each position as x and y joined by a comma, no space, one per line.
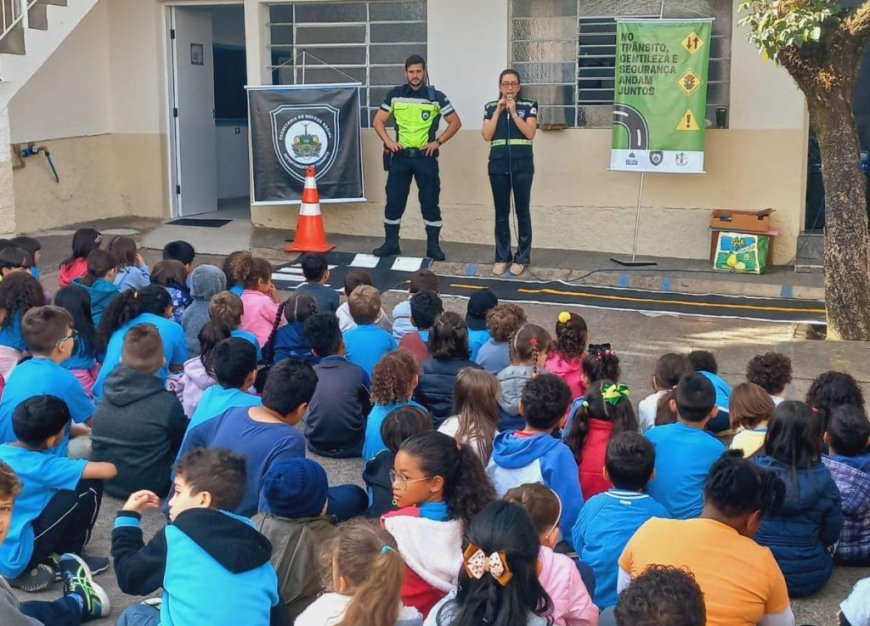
296,127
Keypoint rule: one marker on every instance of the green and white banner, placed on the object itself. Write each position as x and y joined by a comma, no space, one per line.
660,95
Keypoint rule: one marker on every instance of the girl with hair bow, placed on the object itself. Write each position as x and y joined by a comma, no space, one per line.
605,411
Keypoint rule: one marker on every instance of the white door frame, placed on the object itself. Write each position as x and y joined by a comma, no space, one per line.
170,84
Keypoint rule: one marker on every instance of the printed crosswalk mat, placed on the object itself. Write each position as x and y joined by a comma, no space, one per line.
392,273
387,273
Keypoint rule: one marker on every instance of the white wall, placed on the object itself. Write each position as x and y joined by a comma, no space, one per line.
232,161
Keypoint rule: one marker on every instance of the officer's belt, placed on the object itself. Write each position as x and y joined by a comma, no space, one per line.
495,143
410,152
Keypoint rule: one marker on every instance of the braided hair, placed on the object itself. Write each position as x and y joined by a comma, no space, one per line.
298,307
529,343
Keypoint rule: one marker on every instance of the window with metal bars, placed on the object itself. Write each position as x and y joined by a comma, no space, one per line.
339,42
565,50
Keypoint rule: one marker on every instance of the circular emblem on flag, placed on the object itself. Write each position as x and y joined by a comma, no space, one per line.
306,140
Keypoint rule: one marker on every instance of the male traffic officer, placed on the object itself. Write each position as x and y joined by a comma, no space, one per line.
417,109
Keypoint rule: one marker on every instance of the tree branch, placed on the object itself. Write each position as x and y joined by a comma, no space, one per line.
855,26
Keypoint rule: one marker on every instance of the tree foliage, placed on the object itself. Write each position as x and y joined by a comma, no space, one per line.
778,24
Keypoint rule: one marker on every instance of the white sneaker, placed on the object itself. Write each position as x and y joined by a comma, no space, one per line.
499,268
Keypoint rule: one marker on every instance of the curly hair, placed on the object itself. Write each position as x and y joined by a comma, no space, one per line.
662,595
572,335
504,320
19,292
233,266
770,371
830,390
393,378
600,365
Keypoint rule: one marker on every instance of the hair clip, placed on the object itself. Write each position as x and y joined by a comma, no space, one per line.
477,564
564,317
385,548
612,394
533,342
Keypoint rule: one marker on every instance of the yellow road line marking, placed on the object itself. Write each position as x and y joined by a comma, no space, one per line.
582,294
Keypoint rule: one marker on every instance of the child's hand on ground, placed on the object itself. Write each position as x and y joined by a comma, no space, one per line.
139,501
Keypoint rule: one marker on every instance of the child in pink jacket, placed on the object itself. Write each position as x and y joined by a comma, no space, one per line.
559,576
564,359
260,298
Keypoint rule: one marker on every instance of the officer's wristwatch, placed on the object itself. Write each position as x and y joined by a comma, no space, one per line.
438,141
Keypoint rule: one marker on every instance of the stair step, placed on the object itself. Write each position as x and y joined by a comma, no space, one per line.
13,42
37,17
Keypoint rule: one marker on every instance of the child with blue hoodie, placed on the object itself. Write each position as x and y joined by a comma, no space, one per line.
132,273
213,565
533,455
98,282
802,532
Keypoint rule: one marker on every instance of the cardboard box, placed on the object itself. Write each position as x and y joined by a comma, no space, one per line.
741,221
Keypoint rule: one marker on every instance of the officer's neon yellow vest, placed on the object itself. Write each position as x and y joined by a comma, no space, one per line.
414,119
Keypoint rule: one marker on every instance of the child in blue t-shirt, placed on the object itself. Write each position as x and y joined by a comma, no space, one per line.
705,363
607,521
149,305
533,455
58,504
234,363
367,343
82,599
684,451
98,282
51,340
19,292
316,272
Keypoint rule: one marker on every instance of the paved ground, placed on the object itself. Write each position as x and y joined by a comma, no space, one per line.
639,339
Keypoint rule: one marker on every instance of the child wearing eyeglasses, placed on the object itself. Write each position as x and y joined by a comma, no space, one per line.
439,486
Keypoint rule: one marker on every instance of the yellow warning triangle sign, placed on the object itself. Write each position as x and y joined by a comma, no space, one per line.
688,121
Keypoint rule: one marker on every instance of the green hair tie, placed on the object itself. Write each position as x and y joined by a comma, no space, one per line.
612,394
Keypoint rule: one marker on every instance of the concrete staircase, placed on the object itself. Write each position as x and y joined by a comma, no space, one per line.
30,32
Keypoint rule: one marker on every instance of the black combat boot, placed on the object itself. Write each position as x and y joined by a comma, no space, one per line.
390,247
433,250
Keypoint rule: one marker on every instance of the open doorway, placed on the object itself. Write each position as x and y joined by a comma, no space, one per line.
208,112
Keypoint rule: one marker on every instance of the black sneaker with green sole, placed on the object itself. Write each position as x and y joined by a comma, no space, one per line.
78,580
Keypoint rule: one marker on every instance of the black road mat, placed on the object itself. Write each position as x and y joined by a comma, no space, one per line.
203,223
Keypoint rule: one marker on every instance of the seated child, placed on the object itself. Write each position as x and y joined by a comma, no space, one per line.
558,573
138,425
531,344
448,345
149,305
751,407
426,306
297,528
599,363
83,362
684,452
740,579
260,298
393,383
206,281
84,241
213,566
605,412
59,501
34,250
173,276
421,280
803,531
479,305
98,282
132,273
847,438
226,309
397,426
182,252
367,343
661,596
289,341
234,364
475,403
499,574
830,390
82,598
198,373
772,372
19,292
336,419
607,521
670,368
705,363
233,267
502,322
14,260
533,455
565,360
353,279
855,610
366,581
439,487
50,339
316,273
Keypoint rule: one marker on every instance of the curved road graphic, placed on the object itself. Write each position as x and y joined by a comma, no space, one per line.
635,125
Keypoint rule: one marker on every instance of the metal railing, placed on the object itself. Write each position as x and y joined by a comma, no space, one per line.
13,13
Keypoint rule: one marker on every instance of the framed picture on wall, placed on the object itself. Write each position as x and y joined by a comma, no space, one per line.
196,54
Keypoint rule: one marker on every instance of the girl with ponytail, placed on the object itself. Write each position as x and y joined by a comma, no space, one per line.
439,486
97,281
529,349
289,341
366,573
566,358
149,305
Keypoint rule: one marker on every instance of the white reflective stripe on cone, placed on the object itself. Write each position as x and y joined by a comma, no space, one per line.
309,209
310,183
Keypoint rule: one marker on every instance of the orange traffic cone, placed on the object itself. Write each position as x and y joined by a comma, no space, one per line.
310,234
